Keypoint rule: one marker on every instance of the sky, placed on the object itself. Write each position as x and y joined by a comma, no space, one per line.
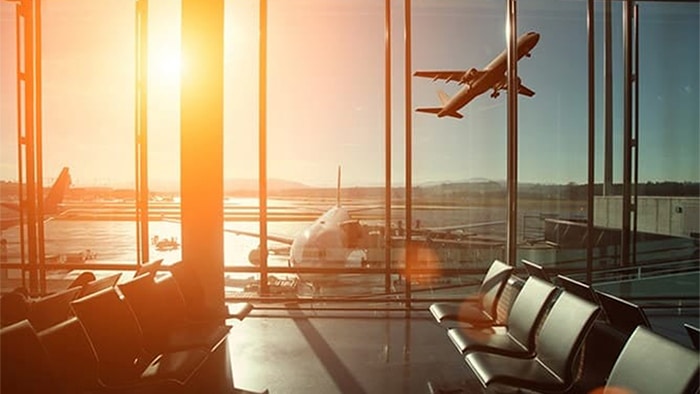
326,91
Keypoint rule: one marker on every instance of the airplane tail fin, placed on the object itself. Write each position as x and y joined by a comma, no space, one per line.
437,110
444,98
429,110
57,191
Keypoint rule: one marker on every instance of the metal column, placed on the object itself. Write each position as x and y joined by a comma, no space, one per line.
512,144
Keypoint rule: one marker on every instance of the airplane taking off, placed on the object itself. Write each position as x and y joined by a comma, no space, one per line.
51,206
477,82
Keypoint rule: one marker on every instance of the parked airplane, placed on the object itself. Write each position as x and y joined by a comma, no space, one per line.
51,205
337,240
476,82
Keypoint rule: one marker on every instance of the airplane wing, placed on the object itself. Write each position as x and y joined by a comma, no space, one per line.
447,75
277,238
272,237
460,226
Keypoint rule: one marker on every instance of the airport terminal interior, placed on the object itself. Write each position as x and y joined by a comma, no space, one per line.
366,196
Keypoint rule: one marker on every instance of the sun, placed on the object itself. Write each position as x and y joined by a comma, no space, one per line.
165,65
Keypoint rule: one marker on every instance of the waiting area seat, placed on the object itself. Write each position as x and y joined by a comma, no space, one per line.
52,309
150,267
24,368
556,348
536,270
650,364
622,314
518,337
479,309
168,329
103,342
99,284
694,334
119,345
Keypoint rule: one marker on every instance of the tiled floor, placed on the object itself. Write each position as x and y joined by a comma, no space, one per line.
307,351
361,352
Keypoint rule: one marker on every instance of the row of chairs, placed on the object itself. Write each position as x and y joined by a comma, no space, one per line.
620,313
544,343
137,336
48,310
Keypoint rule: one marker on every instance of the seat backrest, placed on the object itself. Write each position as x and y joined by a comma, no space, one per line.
578,288
157,304
562,333
492,286
24,366
191,288
112,329
51,309
14,307
99,284
149,267
694,334
650,363
622,314
528,309
536,270
82,279
71,355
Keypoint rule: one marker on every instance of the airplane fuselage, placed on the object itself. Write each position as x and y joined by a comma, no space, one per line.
327,242
492,76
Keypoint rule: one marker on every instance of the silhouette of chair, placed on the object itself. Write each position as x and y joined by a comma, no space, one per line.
82,279
478,309
518,340
603,343
622,314
694,334
71,356
150,267
536,270
161,312
24,367
51,309
118,344
99,284
650,364
14,307
193,292
578,288
556,346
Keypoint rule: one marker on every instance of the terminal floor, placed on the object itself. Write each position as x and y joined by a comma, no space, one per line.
312,351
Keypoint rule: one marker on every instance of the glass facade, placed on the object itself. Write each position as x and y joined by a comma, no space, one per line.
342,179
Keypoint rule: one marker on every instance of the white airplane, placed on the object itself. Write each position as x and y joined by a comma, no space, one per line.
51,206
477,82
336,240
332,240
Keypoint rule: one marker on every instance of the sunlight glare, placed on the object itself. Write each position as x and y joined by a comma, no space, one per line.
166,66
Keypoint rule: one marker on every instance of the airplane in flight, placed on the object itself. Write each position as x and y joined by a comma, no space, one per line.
477,82
51,206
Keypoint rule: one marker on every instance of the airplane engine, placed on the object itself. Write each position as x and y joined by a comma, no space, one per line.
468,76
254,256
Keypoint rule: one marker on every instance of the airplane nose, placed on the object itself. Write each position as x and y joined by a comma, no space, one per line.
535,37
